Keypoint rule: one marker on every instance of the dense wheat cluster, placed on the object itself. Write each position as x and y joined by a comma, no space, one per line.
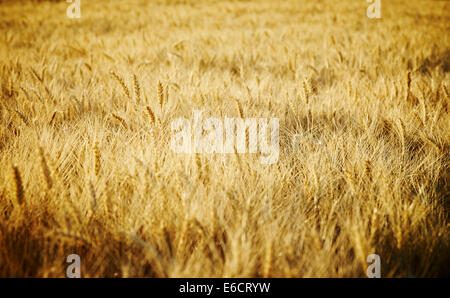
86,167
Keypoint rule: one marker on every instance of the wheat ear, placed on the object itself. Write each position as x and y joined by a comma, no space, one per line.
408,85
93,195
305,92
97,162
160,94
45,169
120,119
23,118
137,89
241,113
122,83
150,114
293,108
19,185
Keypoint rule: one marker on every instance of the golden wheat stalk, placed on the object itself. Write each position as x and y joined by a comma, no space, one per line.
432,142
18,185
305,92
52,118
93,195
350,180
120,119
168,240
408,85
137,89
183,237
293,107
238,160
23,118
368,169
166,93
408,80
50,95
97,162
160,94
198,163
88,66
45,169
150,114
11,89
122,84
34,72
37,96
241,113
444,90
445,102
401,133
26,93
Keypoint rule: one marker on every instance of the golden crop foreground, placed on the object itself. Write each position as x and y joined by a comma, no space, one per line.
86,168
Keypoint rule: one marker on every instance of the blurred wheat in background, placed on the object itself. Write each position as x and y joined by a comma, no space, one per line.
86,167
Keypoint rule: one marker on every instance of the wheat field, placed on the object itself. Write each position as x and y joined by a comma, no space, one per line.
86,168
